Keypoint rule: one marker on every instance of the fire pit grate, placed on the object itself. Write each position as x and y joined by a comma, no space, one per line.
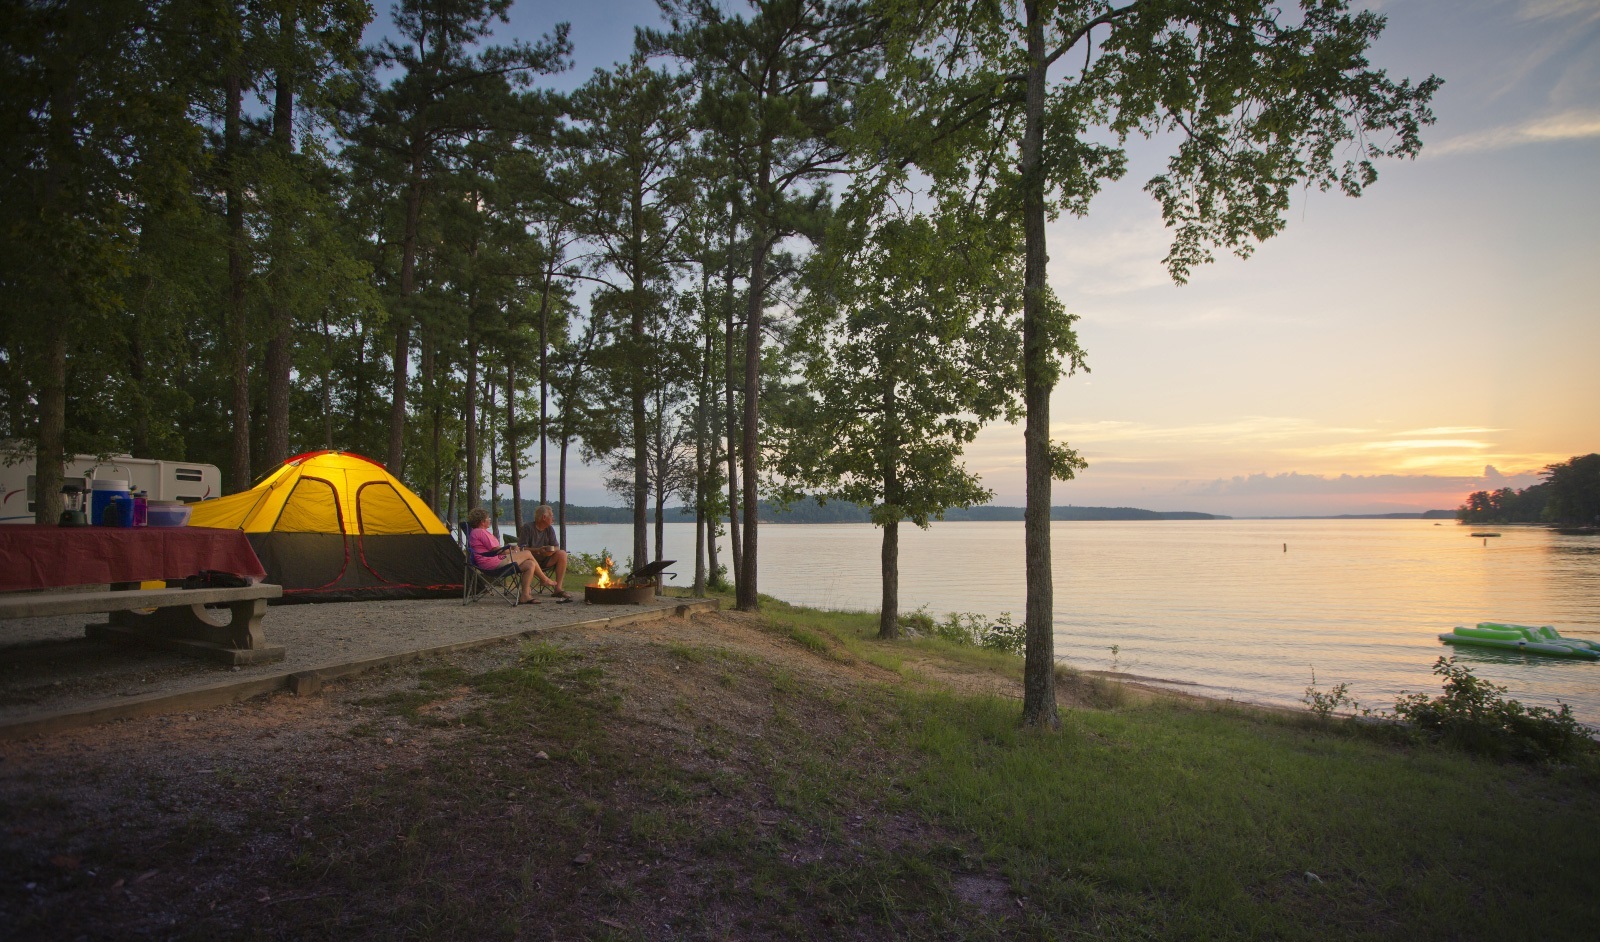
637,589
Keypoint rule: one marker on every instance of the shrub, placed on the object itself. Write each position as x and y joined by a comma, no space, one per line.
1324,703
1473,714
917,624
970,628
1005,635
959,628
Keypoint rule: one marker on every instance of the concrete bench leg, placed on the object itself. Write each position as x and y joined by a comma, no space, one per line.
190,629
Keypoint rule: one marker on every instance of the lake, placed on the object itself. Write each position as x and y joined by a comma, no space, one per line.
1221,606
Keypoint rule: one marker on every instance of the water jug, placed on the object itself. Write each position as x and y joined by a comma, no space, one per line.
102,491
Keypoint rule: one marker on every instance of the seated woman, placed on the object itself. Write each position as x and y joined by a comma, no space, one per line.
487,553
540,539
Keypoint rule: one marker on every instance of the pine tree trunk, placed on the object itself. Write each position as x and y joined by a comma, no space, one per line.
544,381
139,439
1038,676
641,457
280,317
427,362
402,315
474,461
512,450
238,323
561,503
735,537
747,598
700,476
494,463
889,611
50,458
327,380
889,614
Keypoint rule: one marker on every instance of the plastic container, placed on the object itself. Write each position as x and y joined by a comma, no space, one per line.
102,491
141,509
169,513
119,512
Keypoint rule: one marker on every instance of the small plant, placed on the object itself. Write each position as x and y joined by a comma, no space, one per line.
959,628
1474,714
1005,635
587,563
1116,649
917,624
1323,704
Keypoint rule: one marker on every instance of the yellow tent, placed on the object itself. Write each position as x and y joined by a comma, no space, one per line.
334,525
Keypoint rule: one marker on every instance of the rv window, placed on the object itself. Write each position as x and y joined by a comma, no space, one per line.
187,474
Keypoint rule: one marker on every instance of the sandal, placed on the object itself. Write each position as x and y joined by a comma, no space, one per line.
529,601
561,595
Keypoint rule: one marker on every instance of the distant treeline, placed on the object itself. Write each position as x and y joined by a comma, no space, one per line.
809,511
1569,495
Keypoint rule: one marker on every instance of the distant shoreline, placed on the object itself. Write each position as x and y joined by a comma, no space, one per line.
809,511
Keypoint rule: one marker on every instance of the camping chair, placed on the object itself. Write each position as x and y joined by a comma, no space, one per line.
504,582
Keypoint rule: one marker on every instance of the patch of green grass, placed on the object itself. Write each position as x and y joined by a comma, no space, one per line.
1181,823
687,652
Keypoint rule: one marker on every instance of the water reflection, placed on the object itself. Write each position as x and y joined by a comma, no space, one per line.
1221,603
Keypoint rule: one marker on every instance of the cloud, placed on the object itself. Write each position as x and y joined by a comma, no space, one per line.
1585,10
1567,126
1243,430
1293,482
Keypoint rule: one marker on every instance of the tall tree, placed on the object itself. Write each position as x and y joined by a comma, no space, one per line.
774,89
635,127
444,93
1258,101
908,344
94,100
311,47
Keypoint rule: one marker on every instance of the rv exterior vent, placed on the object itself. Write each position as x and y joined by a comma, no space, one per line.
187,474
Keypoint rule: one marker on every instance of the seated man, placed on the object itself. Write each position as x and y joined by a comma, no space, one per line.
539,537
489,555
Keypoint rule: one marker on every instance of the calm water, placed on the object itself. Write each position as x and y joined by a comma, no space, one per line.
1220,604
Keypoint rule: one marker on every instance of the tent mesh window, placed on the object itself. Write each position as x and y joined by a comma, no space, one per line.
380,509
312,507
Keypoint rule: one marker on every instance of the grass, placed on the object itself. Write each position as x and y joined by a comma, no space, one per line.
552,799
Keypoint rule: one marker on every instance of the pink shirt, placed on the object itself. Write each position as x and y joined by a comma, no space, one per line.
480,541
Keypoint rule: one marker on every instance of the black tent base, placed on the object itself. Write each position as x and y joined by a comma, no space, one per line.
330,567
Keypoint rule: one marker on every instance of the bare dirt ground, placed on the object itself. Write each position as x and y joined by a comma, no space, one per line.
691,778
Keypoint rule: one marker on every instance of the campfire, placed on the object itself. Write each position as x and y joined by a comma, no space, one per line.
637,588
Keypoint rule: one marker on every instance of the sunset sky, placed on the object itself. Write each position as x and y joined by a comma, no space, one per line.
1391,353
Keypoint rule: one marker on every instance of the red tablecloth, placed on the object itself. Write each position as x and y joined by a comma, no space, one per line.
39,557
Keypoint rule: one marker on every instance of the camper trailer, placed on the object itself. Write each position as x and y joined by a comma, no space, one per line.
188,481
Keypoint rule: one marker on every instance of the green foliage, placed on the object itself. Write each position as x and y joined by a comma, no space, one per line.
585,564
1473,714
917,623
1506,505
1574,491
1568,495
907,344
970,629
1324,703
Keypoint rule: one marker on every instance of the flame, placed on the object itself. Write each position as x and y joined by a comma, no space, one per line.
604,572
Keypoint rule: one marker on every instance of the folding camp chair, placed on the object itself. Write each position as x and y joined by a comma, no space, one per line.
504,582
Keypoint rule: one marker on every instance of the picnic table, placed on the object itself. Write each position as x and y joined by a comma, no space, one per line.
34,557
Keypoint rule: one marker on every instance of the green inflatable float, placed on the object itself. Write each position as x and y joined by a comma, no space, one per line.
1525,638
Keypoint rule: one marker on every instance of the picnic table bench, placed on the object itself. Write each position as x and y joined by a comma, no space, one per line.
180,620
